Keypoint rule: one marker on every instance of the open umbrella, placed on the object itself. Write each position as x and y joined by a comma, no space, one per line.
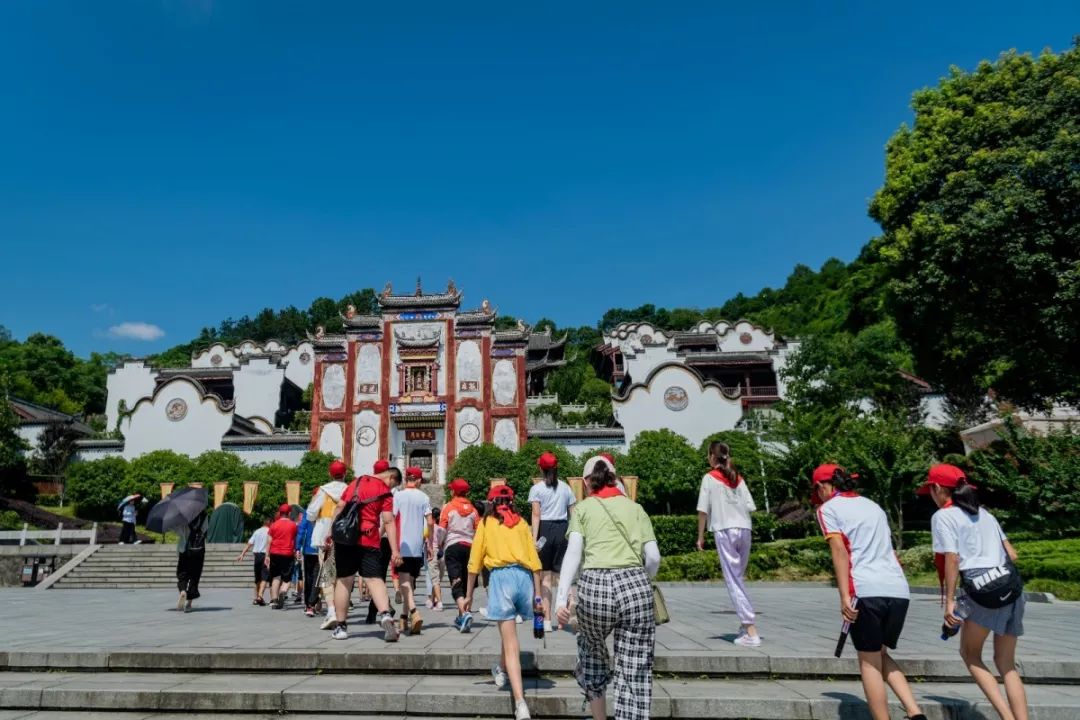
127,499
177,510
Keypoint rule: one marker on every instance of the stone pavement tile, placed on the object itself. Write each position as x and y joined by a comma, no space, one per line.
218,692
16,714
350,694
122,691
447,695
85,715
561,697
55,658
735,699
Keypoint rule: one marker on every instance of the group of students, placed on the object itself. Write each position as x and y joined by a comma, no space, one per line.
589,565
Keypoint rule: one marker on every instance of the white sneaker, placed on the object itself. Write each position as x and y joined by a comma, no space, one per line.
483,612
329,623
499,675
390,631
340,633
547,626
521,711
519,619
748,641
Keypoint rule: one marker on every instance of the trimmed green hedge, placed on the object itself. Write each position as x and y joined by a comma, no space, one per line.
676,534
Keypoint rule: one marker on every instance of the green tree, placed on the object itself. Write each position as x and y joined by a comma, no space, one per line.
478,464
668,469
979,219
13,480
95,487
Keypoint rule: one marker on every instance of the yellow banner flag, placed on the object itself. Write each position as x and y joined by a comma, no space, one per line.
630,481
292,492
219,493
195,484
577,484
497,481
251,491
166,490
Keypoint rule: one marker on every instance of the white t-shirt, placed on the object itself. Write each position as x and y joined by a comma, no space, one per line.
260,540
861,523
555,502
977,539
726,507
411,508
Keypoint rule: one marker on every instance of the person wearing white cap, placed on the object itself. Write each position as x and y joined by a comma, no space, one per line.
606,459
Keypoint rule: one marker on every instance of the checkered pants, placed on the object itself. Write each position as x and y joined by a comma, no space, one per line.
617,601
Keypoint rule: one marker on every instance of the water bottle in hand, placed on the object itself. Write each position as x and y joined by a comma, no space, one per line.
960,611
538,619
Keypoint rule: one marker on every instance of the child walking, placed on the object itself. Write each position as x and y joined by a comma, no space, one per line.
504,545
725,504
971,546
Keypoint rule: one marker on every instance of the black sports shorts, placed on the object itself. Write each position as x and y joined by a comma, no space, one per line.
880,622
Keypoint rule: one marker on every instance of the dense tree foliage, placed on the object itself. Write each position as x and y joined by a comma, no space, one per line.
13,480
41,370
981,217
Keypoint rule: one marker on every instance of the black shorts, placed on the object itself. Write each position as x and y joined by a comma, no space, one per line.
261,573
554,533
457,568
281,566
412,565
880,622
353,559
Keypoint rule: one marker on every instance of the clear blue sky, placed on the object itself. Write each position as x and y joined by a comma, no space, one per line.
176,162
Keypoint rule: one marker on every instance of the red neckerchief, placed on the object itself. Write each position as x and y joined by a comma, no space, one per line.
939,560
607,492
716,474
507,515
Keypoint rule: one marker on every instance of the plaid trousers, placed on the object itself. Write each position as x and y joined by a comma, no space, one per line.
619,601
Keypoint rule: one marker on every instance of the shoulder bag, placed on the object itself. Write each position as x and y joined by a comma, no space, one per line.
995,587
660,611
346,528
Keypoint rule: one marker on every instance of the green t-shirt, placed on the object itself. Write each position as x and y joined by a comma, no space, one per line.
605,546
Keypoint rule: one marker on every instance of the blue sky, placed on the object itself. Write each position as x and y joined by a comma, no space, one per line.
170,163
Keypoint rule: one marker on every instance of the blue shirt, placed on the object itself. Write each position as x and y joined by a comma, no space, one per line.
303,536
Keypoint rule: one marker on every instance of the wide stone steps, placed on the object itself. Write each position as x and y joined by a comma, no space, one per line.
413,695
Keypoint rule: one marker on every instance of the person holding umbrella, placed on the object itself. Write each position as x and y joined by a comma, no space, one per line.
185,512
128,512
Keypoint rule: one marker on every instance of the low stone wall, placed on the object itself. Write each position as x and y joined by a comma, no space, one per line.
13,557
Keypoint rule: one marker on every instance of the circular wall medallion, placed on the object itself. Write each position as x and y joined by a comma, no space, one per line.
215,360
305,358
365,435
675,398
176,410
746,338
469,433
646,339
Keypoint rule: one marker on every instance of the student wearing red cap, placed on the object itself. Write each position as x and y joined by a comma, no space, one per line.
459,519
970,545
504,545
412,511
874,593
551,501
367,557
280,559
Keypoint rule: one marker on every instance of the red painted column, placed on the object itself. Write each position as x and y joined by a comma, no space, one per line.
488,392
384,392
523,434
451,391
316,403
350,403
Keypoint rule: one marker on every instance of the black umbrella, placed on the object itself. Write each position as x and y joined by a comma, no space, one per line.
177,510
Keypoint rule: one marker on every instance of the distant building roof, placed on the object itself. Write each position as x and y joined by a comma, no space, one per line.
577,432
419,299
33,414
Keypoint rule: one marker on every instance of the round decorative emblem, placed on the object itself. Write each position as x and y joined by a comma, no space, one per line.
469,433
305,358
675,398
215,360
365,435
176,410
746,338
646,339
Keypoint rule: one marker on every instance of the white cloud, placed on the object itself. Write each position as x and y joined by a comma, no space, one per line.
102,307
136,331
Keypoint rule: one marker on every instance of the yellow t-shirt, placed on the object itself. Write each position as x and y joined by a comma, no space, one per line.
496,546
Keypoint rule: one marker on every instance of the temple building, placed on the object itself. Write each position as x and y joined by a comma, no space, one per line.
694,382
423,379
239,399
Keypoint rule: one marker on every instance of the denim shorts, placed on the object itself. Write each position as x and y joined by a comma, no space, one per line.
510,593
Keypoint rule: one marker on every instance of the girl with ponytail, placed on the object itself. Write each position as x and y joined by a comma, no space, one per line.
551,501
725,504
970,546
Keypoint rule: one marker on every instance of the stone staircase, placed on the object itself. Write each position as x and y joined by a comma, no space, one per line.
154,566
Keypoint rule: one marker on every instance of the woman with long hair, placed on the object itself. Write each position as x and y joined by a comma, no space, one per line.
874,593
552,501
611,539
504,545
191,555
725,504
970,545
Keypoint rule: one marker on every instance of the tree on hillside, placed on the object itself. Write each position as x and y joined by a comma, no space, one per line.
13,481
980,212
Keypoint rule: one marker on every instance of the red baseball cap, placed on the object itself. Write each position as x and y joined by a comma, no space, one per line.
610,459
945,475
825,473
459,486
338,469
547,461
501,491
381,466
414,473
284,509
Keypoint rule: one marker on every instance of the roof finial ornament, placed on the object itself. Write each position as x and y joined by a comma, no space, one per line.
350,311
320,331
419,291
485,307
388,290
521,325
451,288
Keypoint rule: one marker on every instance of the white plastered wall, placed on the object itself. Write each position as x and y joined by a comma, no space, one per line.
200,429
130,381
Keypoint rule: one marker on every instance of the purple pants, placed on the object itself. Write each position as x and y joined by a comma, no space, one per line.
733,547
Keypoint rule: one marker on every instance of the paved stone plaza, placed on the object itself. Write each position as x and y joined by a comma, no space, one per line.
132,650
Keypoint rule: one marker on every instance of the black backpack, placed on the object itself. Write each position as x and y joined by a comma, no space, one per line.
346,529
196,536
995,588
